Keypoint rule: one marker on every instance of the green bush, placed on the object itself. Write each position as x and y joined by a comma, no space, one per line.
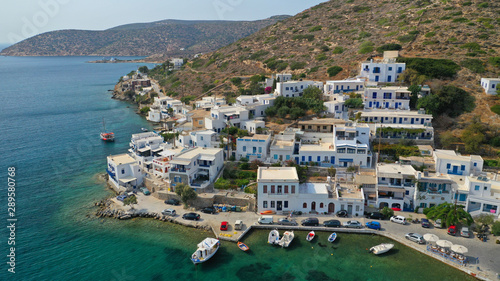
496,109
432,68
315,28
259,54
366,47
495,228
144,110
321,57
308,37
389,47
406,38
474,65
495,61
334,70
448,100
483,5
297,65
275,64
430,34
338,50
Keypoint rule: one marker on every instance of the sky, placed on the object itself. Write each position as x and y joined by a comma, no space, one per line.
25,18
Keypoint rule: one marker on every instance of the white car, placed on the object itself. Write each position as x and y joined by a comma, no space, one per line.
415,237
352,224
168,212
398,219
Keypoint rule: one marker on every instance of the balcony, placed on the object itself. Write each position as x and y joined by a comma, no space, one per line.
180,170
458,173
111,174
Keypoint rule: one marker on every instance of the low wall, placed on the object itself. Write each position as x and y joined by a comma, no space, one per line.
202,202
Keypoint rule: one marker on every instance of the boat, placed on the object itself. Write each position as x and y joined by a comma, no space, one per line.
286,239
107,136
268,212
206,249
380,249
332,237
274,237
310,236
144,129
243,246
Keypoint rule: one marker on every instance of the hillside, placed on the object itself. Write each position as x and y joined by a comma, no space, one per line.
165,37
345,33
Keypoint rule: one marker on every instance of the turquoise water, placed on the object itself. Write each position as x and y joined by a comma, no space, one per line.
51,115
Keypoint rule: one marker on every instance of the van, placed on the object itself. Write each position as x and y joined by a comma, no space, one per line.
238,225
310,222
398,219
266,220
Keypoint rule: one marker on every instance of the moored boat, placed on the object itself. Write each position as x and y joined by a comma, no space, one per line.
382,248
206,249
286,239
107,136
274,237
144,129
243,246
310,236
332,237
268,212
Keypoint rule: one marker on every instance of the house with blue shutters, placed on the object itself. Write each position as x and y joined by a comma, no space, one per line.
346,86
490,85
433,189
385,70
449,162
254,147
387,98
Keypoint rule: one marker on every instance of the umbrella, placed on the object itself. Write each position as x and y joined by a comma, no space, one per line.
444,243
459,249
396,209
429,237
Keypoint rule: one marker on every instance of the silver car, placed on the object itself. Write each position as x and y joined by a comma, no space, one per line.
168,212
464,232
286,221
415,237
352,224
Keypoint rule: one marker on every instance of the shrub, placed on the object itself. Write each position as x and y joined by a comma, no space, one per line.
144,110
496,109
495,229
432,68
297,65
236,81
244,165
321,57
483,5
308,37
407,38
364,34
471,46
338,50
334,70
430,34
448,100
315,28
495,61
366,47
474,65
389,47
257,55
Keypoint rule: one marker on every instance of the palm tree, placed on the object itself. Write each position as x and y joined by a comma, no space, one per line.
450,214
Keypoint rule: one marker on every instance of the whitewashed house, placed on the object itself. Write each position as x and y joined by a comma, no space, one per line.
387,98
449,162
164,107
254,147
200,138
252,125
386,116
279,190
224,116
483,196
344,86
177,62
145,146
124,172
336,106
433,189
209,102
385,70
395,186
257,104
295,88
490,85
197,167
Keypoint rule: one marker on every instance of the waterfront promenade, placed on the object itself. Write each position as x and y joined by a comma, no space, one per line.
482,259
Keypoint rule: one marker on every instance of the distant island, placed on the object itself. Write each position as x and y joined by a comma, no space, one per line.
166,37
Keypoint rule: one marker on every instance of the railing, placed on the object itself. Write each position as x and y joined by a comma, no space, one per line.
459,173
178,170
111,174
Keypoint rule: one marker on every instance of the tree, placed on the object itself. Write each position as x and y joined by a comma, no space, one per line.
255,164
312,92
186,193
131,200
485,220
283,111
271,111
144,69
473,136
448,100
412,77
450,214
387,212
447,139
414,89
354,103
144,110
495,229
334,70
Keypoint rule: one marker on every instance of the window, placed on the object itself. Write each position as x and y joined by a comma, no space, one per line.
485,188
264,189
123,171
264,204
280,189
493,86
293,189
201,138
448,166
273,203
304,205
361,151
351,150
286,88
476,187
390,68
319,159
463,197
303,158
407,192
285,204
357,208
310,158
324,127
475,164
462,167
244,148
341,150
200,122
286,188
288,157
275,156
374,95
387,95
260,149
423,205
321,205
273,189
376,70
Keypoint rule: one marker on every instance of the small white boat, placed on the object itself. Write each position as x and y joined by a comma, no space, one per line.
310,236
206,249
382,248
286,239
144,129
332,237
274,237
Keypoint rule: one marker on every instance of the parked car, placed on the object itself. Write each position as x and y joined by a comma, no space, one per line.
286,221
172,201
425,223
332,223
310,222
266,220
464,232
398,219
415,237
342,214
452,230
168,212
238,225
209,210
145,191
191,216
373,225
375,215
437,223
223,226
121,197
352,224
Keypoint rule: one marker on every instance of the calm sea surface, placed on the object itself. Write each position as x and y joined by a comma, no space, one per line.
51,115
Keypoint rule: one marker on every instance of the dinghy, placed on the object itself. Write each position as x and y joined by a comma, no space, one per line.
243,246
310,236
332,237
274,237
380,249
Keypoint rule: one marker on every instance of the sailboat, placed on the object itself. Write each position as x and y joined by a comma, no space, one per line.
105,135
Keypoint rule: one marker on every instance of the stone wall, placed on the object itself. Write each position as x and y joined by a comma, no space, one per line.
202,202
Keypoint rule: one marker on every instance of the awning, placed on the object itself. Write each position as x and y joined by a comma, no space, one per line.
127,179
207,157
144,149
345,160
180,162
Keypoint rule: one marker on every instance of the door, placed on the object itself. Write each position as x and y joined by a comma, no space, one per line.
279,205
412,121
332,160
349,209
455,169
313,206
331,208
389,78
376,78
396,105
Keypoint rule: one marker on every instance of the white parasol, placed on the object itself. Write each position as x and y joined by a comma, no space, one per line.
459,249
444,243
429,237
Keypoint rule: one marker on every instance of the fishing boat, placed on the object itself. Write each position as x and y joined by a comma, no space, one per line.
243,246
332,237
274,237
286,239
310,236
206,249
105,135
380,249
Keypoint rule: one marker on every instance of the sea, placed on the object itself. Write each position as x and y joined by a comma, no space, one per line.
52,111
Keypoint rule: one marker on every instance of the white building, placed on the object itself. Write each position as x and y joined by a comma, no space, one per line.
352,146
385,70
209,102
490,85
387,98
177,62
124,172
257,104
394,133
344,86
254,147
164,107
201,138
197,167
433,189
252,125
336,106
145,146
449,162
224,116
386,116
395,186
295,88
279,190
481,196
